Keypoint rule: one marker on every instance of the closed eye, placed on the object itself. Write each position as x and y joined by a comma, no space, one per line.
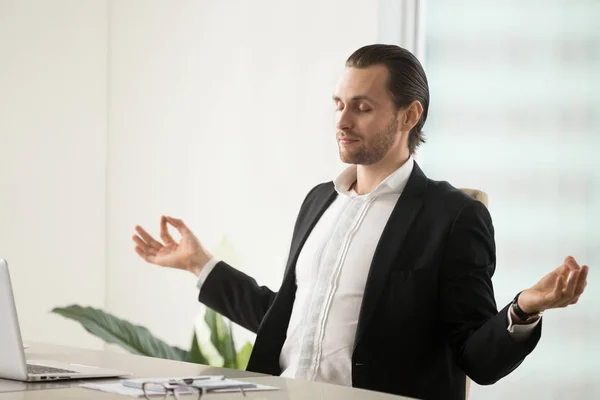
359,105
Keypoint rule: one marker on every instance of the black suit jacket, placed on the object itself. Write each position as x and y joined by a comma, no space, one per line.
428,316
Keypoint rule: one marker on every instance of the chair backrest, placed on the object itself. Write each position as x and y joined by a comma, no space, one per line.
477,195
482,197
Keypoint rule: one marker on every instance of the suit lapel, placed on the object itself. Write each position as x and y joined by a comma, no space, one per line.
315,207
267,347
403,215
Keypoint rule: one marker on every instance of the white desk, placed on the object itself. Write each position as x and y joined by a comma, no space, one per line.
144,367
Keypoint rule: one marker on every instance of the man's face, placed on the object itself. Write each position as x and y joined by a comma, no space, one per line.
366,116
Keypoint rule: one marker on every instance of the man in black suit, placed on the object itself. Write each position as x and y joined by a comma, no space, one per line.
388,285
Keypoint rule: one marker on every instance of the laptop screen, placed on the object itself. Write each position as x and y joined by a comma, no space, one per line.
12,362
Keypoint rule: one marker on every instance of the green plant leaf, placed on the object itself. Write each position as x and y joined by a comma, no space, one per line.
133,338
196,355
221,337
244,356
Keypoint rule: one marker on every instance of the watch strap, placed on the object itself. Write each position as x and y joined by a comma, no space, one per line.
522,315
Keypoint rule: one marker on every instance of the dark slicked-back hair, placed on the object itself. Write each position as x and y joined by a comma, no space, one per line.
406,82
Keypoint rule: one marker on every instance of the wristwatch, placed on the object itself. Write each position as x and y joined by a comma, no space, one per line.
522,315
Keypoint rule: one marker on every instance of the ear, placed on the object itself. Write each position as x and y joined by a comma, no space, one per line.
411,115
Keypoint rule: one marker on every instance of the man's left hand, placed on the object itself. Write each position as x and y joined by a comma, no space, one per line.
560,288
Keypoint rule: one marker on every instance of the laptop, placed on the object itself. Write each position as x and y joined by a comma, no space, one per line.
13,364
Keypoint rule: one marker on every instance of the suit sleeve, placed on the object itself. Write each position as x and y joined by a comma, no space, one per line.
236,296
476,331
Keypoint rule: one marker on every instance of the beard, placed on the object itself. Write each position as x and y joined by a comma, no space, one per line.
373,151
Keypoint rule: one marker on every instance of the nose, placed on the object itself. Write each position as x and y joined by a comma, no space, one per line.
343,120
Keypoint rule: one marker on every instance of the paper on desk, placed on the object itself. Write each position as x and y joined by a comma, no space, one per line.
116,388
230,385
138,382
226,384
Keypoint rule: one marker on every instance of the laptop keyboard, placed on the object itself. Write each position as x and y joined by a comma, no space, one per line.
42,369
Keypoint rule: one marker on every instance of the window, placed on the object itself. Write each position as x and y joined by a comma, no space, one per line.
515,111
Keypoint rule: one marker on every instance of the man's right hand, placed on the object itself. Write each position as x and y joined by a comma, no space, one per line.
187,255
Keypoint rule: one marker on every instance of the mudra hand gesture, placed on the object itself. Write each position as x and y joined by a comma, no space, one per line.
188,254
560,288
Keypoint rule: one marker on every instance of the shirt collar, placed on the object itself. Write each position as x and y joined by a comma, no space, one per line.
394,183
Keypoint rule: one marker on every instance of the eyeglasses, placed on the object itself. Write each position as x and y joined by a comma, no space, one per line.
183,389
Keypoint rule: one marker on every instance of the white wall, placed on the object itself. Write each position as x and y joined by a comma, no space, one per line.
115,112
52,160
221,114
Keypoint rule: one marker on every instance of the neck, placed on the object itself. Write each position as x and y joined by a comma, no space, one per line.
368,177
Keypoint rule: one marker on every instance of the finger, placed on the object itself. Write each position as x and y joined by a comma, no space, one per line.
148,249
145,255
179,225
576,299
150,241
569,292
140,243
559,286
563,270
571,263
582,280
164,231
140,252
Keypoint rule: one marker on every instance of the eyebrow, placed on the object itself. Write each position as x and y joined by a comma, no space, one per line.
356,98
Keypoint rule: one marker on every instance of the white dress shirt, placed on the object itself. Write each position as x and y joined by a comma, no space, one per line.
331,273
